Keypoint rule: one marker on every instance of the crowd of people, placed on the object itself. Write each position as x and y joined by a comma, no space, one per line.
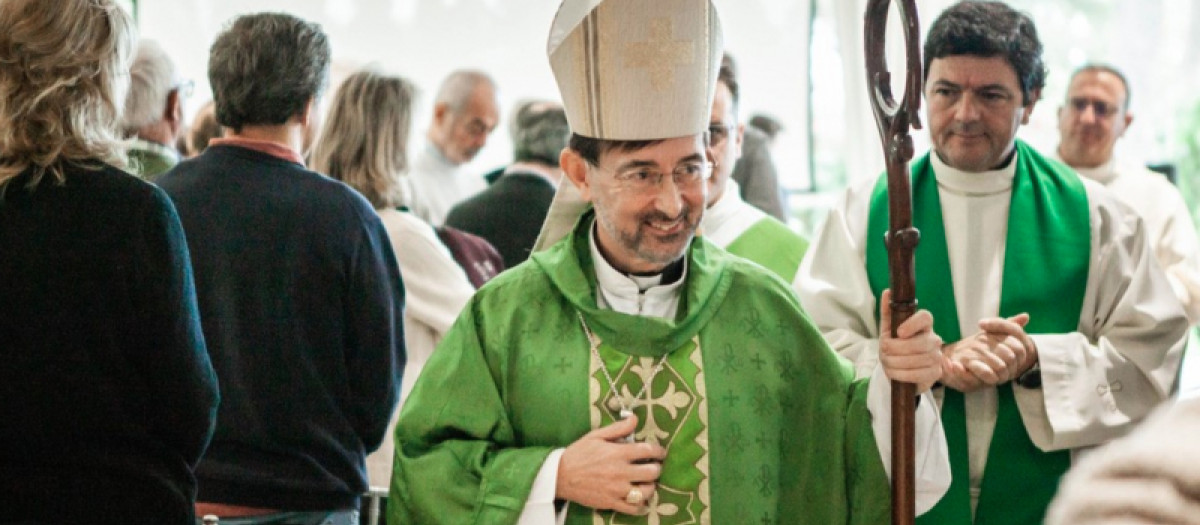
259,317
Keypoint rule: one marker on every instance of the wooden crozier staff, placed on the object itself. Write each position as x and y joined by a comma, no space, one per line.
894,121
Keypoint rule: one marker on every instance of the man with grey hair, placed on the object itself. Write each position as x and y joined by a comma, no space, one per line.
300,295
153,111
509,213
465,112
1091,120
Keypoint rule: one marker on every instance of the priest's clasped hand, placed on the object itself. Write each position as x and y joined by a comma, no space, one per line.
1000,352
603,472
915,354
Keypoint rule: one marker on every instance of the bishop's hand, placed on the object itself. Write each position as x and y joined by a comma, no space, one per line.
602,471
914,355
1000,352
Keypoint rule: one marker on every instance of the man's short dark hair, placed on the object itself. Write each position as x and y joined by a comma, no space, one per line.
1090,67
989,29
591,149
540,133
728,75
264,68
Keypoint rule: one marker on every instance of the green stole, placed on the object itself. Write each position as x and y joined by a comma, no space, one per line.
773,246
1045,274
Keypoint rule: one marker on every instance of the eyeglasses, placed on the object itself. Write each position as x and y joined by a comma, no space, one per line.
185,88
1099,108
642,179
718,133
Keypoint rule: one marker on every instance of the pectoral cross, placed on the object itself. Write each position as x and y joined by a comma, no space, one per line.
626,414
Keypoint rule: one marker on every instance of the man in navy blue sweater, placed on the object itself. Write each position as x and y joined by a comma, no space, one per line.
300,295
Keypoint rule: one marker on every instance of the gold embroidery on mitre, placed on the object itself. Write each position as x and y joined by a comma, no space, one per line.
660,55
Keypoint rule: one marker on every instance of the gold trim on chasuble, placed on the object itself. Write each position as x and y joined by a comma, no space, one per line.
677,421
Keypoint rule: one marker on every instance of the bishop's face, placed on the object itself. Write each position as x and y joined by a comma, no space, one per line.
975,107
648,202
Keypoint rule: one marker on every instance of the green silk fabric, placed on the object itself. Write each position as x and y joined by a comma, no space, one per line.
1045,274
769,425
773,245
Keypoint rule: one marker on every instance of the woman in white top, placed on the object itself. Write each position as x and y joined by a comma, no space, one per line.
364,144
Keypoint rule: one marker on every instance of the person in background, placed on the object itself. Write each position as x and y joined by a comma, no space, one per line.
1093,118
203,130
465,112
154,111
364,144
107,396
768,125
300,295
755,174
510,213
730,222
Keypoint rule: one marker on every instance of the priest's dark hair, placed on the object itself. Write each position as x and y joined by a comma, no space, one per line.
728,75
264,69
591,148
990,29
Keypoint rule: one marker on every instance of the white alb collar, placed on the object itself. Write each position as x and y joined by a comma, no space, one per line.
726,206
977,184
1104,173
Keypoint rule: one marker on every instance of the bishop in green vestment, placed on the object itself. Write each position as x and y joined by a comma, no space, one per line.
634,373
1061,331
759,419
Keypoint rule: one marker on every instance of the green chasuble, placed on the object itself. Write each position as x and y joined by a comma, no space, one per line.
771,244
762,421
1045,274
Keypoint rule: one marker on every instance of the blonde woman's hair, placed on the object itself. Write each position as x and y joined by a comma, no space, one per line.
64,72
364,140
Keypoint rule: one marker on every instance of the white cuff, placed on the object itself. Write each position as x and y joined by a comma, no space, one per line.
539,508
932,452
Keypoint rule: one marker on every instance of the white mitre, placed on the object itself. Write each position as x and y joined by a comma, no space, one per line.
630,70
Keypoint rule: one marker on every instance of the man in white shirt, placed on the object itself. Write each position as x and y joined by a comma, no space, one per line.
1094,116
1061,330
465,113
